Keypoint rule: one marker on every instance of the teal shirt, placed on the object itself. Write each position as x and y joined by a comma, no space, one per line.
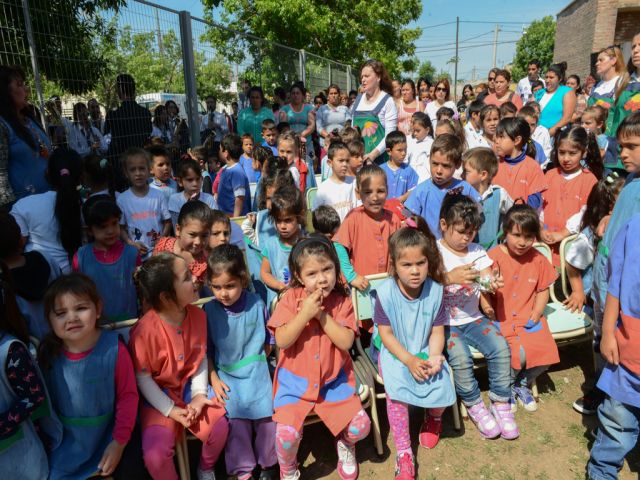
251,122
345,264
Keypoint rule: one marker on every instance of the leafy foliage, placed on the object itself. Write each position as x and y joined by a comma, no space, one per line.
427,70
536,44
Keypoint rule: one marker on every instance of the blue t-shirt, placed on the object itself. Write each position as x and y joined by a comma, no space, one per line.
624,281
233,183
399,181
247,165
273,148
426,199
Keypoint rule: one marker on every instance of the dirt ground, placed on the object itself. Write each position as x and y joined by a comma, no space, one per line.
554,442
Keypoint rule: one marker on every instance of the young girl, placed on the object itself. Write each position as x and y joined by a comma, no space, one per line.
24,401
168,346
90,377
97,177
107,260
288,213
518,173
190,180
467,325
489,119
314,325
520,304
237,349
246,159
409,318
578,166
289,148
51,220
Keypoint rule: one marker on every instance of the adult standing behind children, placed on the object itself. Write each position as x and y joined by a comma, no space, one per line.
557,101
407,105
213,123
502,93
442,99
374,111
332,116
250,119
610,69
524,89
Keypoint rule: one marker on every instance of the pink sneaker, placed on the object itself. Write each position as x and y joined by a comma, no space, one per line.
347,463
504,416
404,467
430,432
487,425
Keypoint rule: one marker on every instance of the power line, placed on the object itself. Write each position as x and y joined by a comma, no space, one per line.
453,43
437,25
465,47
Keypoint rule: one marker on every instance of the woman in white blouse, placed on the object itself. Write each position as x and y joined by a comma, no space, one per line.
83,137
442,99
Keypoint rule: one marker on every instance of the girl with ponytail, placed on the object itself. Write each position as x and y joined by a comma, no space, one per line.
50,221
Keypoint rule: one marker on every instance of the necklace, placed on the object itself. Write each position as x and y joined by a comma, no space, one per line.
43,151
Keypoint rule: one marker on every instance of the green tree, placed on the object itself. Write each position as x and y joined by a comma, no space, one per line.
536,43
427,70
348,31
64,33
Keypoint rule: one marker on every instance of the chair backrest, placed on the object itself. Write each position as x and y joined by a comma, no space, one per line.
564,248
362,301
544,249
238,220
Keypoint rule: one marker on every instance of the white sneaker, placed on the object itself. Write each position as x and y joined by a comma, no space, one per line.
294,476
206,474
347,463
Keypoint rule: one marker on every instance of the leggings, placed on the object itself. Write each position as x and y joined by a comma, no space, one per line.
398,415
288,440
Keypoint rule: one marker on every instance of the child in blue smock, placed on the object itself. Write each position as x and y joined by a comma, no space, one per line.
425,200
237,349
410,320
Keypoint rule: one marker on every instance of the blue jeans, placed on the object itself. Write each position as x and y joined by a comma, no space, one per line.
485,337
618,427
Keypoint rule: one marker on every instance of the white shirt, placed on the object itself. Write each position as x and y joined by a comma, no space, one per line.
215,121
36,217
474,137
541,135
506,202
524,89
462,302
432,110
606,86
388,115
295,173
81,140
418,156
582,252
177,200
339,195
144,216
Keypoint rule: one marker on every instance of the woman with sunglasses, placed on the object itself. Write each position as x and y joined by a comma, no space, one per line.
442,99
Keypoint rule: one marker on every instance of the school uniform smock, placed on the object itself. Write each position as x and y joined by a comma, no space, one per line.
565,197
278,255
367,239
399,180
198,267
520,177
411,321
495,204
171,355
622,382
524,277
313,375
236,338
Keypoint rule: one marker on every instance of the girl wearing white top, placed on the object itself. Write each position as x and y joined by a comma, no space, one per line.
443,99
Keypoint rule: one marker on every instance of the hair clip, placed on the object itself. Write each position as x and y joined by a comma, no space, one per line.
455,191
612,177
410,222
104,163
64,172
456,116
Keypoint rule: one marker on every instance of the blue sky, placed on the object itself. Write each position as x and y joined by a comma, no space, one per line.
437,42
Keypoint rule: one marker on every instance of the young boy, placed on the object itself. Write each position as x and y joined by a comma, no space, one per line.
234,196
326,221
270,135
480,166
401,178
338,190
619,413
426,199
356,151
246,159
145,212
473,127
539,134
161,171
419,145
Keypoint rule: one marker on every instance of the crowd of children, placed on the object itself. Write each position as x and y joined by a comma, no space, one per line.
451,214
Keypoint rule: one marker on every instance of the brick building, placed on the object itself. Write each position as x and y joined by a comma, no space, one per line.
584,27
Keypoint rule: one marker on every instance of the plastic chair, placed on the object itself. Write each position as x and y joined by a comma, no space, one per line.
564,277
312,193
182,456
238,220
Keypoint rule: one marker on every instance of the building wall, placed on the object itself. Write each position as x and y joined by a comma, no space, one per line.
575,32
627,24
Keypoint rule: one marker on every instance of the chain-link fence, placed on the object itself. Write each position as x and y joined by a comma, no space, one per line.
75,53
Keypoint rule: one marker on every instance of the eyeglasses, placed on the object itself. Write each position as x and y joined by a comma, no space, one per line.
440,89
492,79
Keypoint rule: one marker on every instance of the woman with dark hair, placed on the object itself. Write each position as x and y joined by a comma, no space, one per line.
573,81
423,86
557,101
407,105
250,118
332,116
84,138
442,99
161,127
174,114
501,93
467,97
374,112
24,145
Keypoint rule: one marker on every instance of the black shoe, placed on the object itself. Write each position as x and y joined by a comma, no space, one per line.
588,405
271,473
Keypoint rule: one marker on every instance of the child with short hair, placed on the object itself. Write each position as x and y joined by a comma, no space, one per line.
408,313
145,213
289,148
108,261
234,193
519,305
401,177
419,145
365,232
425,200
237,346
90,378
270,135
325,220
288,213
518,173
220,229
338,190
480,166
190,180
539,134
356,151
473,127
314,324
161,171
508,110
201,155
176,392
27,434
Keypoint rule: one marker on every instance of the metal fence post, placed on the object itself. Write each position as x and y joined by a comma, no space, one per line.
34,59
188,66
349,86
303,67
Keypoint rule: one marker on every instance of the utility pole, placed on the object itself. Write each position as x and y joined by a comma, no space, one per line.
495,44
473,74
455,74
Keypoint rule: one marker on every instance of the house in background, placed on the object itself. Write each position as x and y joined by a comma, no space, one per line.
584,27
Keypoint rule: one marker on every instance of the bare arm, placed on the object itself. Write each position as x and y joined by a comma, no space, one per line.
568,107
311,124
542,298
166,228
577,299
269,280
609,344
237,206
